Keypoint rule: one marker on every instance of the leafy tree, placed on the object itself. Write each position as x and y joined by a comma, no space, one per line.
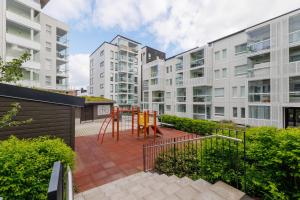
12,72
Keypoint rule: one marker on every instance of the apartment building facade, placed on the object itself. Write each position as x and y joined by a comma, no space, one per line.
114,71
24,28
250,77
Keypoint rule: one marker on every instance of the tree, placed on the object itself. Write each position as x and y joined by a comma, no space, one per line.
12,72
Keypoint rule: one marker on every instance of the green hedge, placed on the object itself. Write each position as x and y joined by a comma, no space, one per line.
273,164
26,166
197,126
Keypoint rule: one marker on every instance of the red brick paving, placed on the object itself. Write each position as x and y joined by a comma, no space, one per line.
97,164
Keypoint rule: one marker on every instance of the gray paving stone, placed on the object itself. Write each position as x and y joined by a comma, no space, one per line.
188,193
226,191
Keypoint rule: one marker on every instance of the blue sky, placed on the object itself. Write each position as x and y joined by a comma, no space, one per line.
168,25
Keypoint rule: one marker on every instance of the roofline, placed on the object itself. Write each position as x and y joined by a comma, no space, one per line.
240,31
153,48
124,38
17,92
101,46
181,53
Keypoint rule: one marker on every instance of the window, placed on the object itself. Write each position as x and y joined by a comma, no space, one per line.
197,73
219,111
48,63
169,82
48,29
91,81
92,63
48,46
102,53
111,76
168,95
181,94
111,88
154,81
224,53
234,92
217,55
48,80
111,54
101,86
219,92
167,70
170,68
224,72
217,74
102,64
240,70
242,91
241,48
294,93
259,91
243,112
181,108
168,107
111,66
116,55
91,90
294,54
101,75
259,112
235,112
103,109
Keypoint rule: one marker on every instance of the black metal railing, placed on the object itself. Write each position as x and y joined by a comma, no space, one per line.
208,157
58,187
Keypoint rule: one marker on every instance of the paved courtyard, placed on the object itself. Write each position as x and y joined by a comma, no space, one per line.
97,164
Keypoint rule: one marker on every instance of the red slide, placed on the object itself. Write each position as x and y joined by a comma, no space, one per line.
103,128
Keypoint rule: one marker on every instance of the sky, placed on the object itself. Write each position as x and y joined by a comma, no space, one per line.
171,26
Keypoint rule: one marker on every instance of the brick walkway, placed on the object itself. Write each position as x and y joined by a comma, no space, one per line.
98,164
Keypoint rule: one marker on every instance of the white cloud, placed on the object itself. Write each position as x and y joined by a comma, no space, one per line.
79,70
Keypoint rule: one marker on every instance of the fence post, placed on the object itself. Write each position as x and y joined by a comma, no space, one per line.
145,124
132,120
113,122
245,176
144,156
154,124
138,121
118,123
56,184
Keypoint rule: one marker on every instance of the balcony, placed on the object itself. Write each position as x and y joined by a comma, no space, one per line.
123,58
179,81
197,63
63,40
23,20
259,97
294,37
153,74
158,99
179,66
62,56
61,73
259,91
259,70
202,98
259,46
121,79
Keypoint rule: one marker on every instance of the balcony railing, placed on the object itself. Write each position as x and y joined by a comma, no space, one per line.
294,96
157,99
259,70
201,98
179,66
62,39
121,79
259,97
197,63
181,98
154,74
294,37
179,81
259,46
63,56
123,58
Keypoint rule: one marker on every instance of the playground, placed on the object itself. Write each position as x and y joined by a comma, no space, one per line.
113,149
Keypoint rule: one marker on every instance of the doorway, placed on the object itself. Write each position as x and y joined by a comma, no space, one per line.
292,117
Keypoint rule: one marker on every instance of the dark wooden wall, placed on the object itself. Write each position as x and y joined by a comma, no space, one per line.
48,119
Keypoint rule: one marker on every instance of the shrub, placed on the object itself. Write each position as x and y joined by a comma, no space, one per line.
26,166
197,126
272,164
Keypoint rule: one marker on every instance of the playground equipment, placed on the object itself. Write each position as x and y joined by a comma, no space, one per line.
129,120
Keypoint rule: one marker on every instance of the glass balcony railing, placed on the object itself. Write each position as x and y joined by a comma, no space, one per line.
294,37
179,81
259,46
154,74
294,96
179,66
63,56
201,98
259,97
197,63
181,98
157,99
122,58
62,39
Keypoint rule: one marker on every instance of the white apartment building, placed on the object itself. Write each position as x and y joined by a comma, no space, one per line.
24,28
250,77
114,71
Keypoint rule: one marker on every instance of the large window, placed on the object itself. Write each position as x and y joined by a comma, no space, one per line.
259,91
197,73
294,83
294,54
219,111
234,91
181,94
259,112
181,108
235,112
259,39
219,92
294,28
240,70
243,112
241,48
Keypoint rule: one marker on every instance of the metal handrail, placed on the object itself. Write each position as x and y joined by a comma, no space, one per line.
70,191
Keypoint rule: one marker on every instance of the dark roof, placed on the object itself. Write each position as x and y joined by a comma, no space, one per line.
17,92
101,46
124,38
153,49
254,26
181,53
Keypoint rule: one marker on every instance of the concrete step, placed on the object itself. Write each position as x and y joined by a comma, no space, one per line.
148,186
226,191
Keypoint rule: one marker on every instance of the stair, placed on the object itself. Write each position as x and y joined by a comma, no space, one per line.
152,186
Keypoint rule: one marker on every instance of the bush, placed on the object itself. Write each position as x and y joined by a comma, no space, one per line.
197,126
272,164
26,166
